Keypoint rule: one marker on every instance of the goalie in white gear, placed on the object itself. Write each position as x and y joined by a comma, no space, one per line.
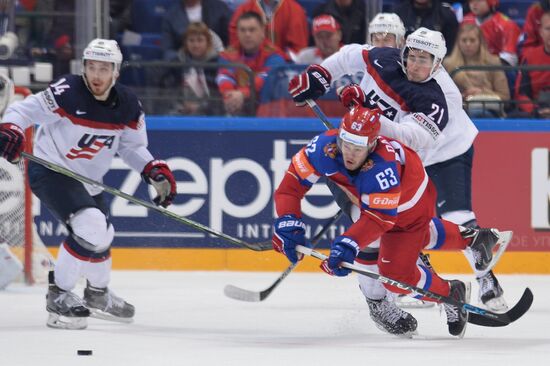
452,173
84,121
10,266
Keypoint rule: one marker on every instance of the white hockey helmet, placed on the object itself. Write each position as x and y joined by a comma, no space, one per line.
387,23
106,50
426,40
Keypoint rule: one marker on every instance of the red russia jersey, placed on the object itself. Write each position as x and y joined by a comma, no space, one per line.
389,188
531,26
529,84
287,26
230,78
501,33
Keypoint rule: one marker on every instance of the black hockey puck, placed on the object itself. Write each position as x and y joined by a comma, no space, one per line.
84,352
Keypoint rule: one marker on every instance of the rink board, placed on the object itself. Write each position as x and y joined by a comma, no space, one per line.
227,169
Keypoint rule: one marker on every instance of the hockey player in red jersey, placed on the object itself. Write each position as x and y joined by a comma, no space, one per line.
394,200
84,121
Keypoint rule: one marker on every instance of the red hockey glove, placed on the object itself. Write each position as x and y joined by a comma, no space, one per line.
311,84
342,249
352,95
12,142
159,175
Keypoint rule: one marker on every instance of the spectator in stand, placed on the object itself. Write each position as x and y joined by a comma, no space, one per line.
328,39
214,13
55,37
501,33
120,16
471,49
533,87
200,91
431,14
352,16
531,35
254,51
285,24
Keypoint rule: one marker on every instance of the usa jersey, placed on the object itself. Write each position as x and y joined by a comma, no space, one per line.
81,133
388,188
432,120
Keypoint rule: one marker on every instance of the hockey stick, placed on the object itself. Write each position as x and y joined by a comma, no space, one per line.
238,293
319,113
242,294
477,316
56,168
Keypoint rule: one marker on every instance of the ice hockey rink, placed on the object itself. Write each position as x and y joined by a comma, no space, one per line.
183,318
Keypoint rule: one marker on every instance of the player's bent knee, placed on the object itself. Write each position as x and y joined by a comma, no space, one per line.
90,228
398,275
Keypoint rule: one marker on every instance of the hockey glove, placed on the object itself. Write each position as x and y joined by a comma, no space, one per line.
159,175
311,84
352,96
343,249
12,142
289,231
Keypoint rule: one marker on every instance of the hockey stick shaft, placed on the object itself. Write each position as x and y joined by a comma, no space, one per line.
319,113
494,318
238,293
69,173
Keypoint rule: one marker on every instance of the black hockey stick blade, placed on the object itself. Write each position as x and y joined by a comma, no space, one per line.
474,312
242,294
516,312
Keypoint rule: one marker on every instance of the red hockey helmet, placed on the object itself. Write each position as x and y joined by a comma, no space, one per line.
360,126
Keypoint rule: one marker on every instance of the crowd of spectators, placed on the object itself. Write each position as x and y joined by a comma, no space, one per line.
263,34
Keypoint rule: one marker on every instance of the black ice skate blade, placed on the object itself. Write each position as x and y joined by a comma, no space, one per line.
491,319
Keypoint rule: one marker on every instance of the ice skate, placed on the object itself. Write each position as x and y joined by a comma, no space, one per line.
483,242
66,310
457,318
490,293
390,318
104,304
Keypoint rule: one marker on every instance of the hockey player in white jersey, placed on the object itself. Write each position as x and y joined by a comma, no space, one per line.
84,121
403,85
449,162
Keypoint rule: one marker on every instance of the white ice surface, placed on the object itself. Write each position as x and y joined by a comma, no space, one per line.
183,318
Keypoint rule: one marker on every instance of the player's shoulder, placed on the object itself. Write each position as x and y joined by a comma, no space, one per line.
384,155
322,152
67,91
127,96
67,85
385,60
